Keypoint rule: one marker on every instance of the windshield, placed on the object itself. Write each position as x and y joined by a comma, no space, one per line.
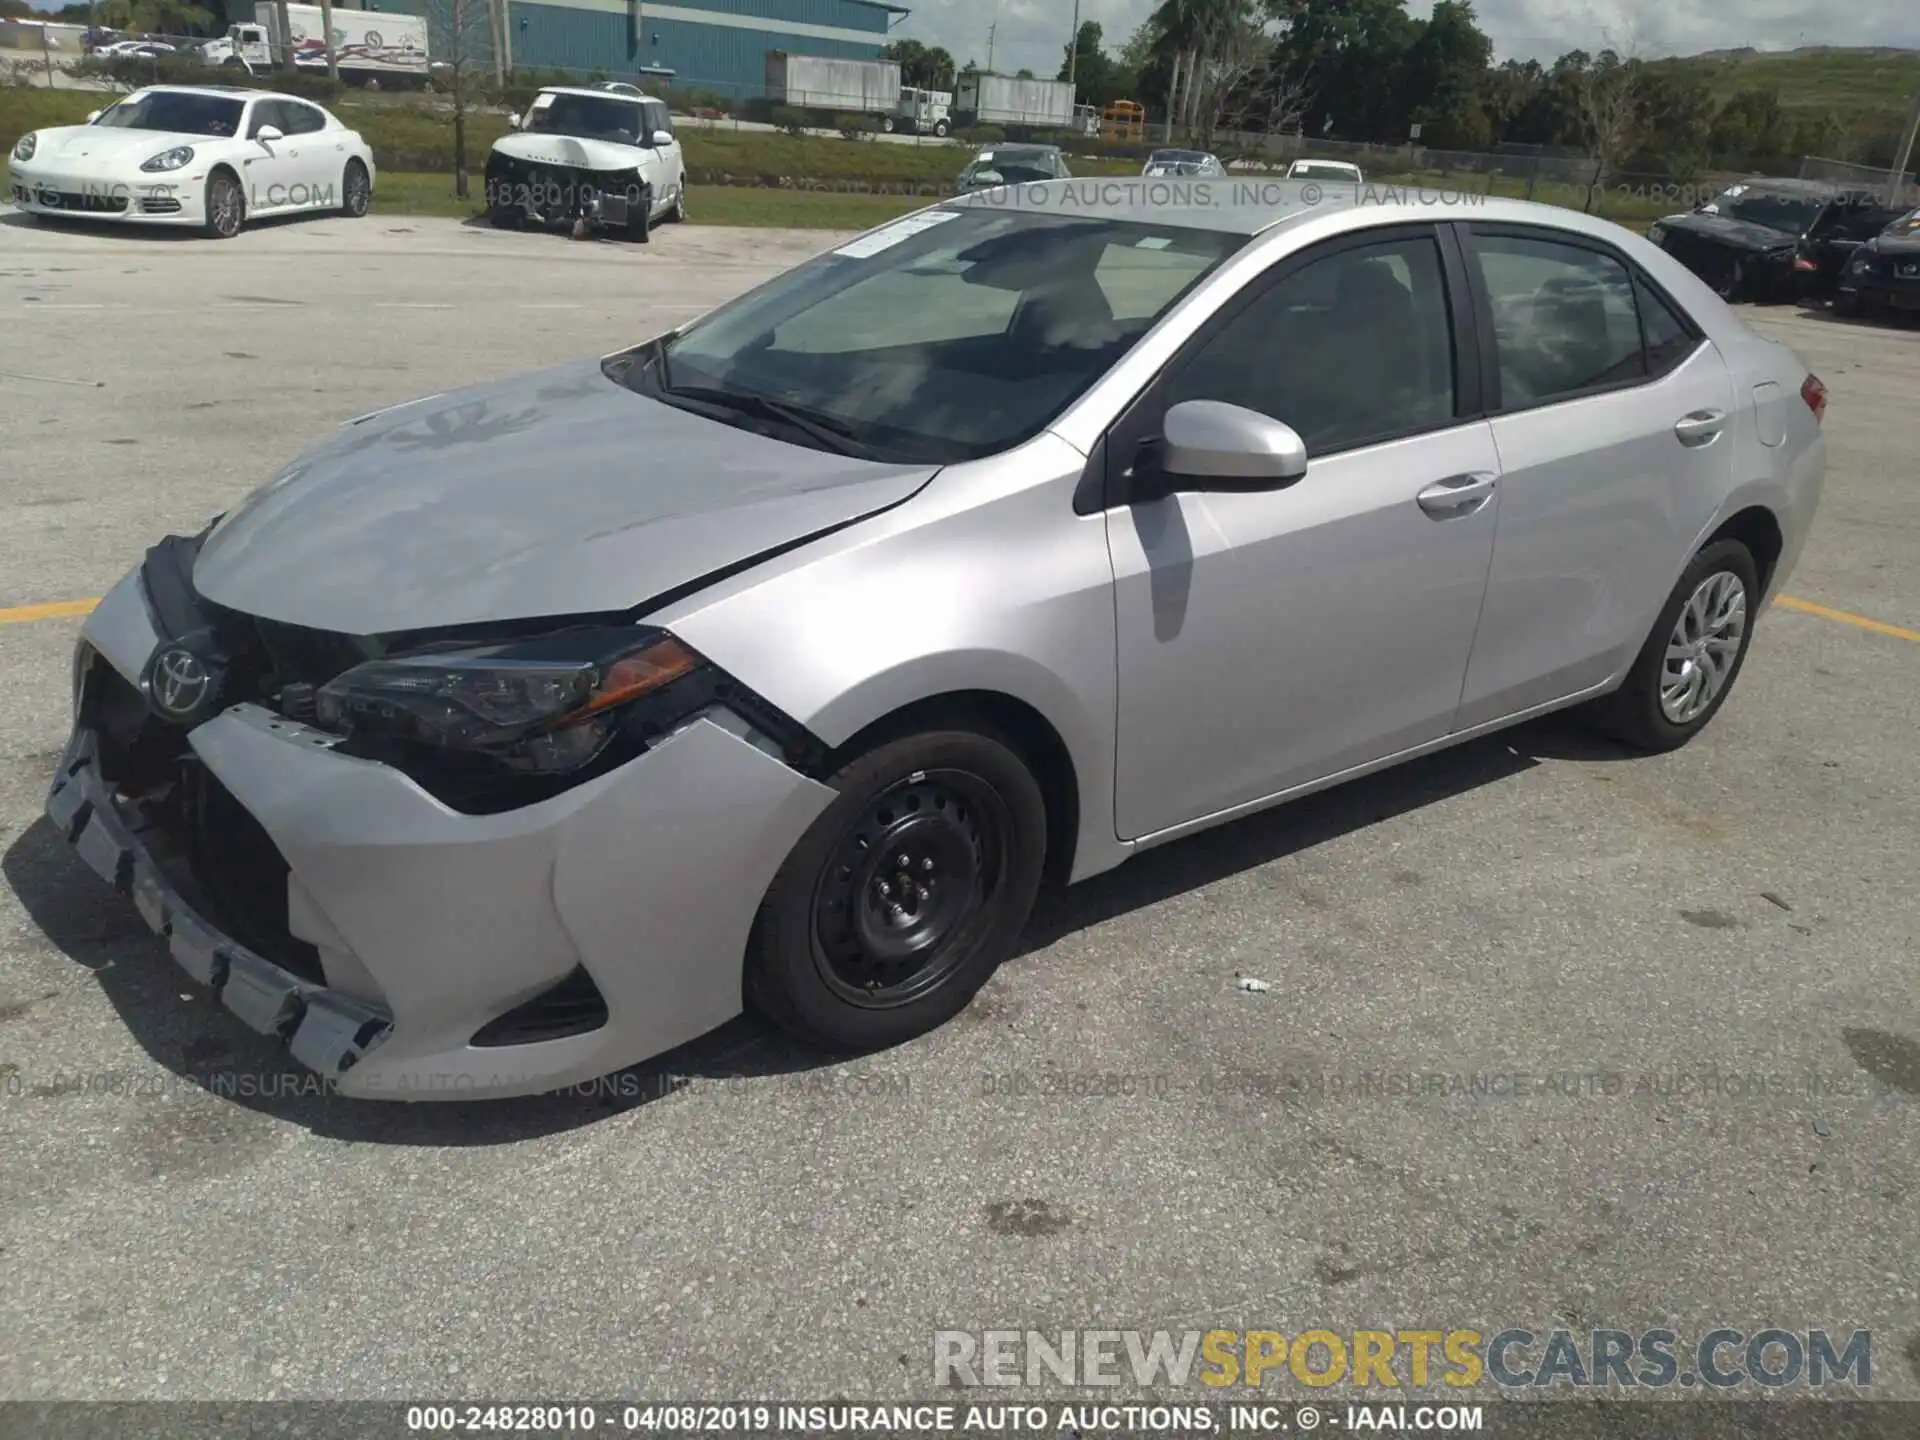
1908,224
176,111
587,117
1790,214
946,336
1175,157
1310,171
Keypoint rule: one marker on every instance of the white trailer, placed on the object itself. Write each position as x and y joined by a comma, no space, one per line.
1015,102
848,87
381,48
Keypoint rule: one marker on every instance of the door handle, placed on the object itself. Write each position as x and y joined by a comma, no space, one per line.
1457,496
1702,427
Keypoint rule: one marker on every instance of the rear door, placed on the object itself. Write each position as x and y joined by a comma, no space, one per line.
318,155
1614,420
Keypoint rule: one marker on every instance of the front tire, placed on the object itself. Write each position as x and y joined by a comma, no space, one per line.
904,896
1732,283
940,129
356,191
226,206
1690,662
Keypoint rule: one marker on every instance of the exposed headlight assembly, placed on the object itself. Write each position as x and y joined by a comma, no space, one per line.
169,159
543,706
24,147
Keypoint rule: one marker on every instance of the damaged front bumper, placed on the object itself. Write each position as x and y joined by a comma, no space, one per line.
429,953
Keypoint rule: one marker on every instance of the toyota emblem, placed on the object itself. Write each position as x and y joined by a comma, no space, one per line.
181,683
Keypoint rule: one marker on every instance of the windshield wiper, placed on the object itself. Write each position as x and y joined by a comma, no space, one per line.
828,431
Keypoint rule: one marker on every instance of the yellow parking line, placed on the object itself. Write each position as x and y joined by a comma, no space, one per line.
1847,617
52,610
56,609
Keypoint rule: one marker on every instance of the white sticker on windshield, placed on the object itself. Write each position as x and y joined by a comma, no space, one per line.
894,234
984,156
1153,242
541,102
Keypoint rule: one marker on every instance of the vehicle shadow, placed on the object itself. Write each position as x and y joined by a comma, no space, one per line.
202,1046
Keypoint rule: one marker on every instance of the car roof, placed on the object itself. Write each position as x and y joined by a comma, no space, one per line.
596,92
1255,205
1807,189
223,92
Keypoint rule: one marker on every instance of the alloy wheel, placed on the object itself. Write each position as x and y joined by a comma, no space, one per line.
1704,647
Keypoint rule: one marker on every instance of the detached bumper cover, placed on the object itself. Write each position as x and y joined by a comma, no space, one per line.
430,924
326,1032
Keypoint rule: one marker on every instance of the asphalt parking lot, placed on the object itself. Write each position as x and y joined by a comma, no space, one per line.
1115,1135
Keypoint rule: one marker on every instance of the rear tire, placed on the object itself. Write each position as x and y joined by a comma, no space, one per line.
1690,662
854,949
356,191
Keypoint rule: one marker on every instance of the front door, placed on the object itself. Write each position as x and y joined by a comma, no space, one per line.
1268,640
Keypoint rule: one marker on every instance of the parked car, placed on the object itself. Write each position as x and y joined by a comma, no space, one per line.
1884,273
1013,165
1336,170
212,156
1770,239
517,734
1184,162
588,160
620,87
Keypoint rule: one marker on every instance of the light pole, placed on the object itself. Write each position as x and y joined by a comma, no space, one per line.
1073,50
1897,180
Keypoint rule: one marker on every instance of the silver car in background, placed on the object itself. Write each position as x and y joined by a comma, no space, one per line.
1188,163
518,734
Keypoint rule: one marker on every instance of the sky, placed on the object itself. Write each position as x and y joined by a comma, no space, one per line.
1033,33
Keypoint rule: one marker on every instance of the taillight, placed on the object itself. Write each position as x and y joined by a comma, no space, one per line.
1815,394
1803,263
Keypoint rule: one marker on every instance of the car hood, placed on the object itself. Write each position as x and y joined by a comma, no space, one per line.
1738,234
110,142
570,151
558,493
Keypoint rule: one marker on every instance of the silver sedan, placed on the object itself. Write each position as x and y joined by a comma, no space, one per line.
521,733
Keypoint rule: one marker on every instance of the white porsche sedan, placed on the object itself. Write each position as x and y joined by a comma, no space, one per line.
212,156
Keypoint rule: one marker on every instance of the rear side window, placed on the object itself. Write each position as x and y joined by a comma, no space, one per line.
1564,319
1670,339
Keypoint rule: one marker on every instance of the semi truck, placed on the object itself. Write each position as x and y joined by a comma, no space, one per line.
1015,103
371,48
921,112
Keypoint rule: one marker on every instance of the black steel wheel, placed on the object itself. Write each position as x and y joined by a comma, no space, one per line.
904,895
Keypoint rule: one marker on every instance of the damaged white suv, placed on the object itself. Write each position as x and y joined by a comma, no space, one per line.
588,161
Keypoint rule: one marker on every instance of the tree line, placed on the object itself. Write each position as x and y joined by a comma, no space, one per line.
1366,70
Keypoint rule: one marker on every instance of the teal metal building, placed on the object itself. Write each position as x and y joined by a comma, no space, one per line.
720,45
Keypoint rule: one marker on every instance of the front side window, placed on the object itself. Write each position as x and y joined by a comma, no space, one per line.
947,336
1351,348
1564,319
177,111
301,119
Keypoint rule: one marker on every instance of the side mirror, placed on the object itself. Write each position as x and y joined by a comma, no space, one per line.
267,134
513,122
662,139
1211,446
